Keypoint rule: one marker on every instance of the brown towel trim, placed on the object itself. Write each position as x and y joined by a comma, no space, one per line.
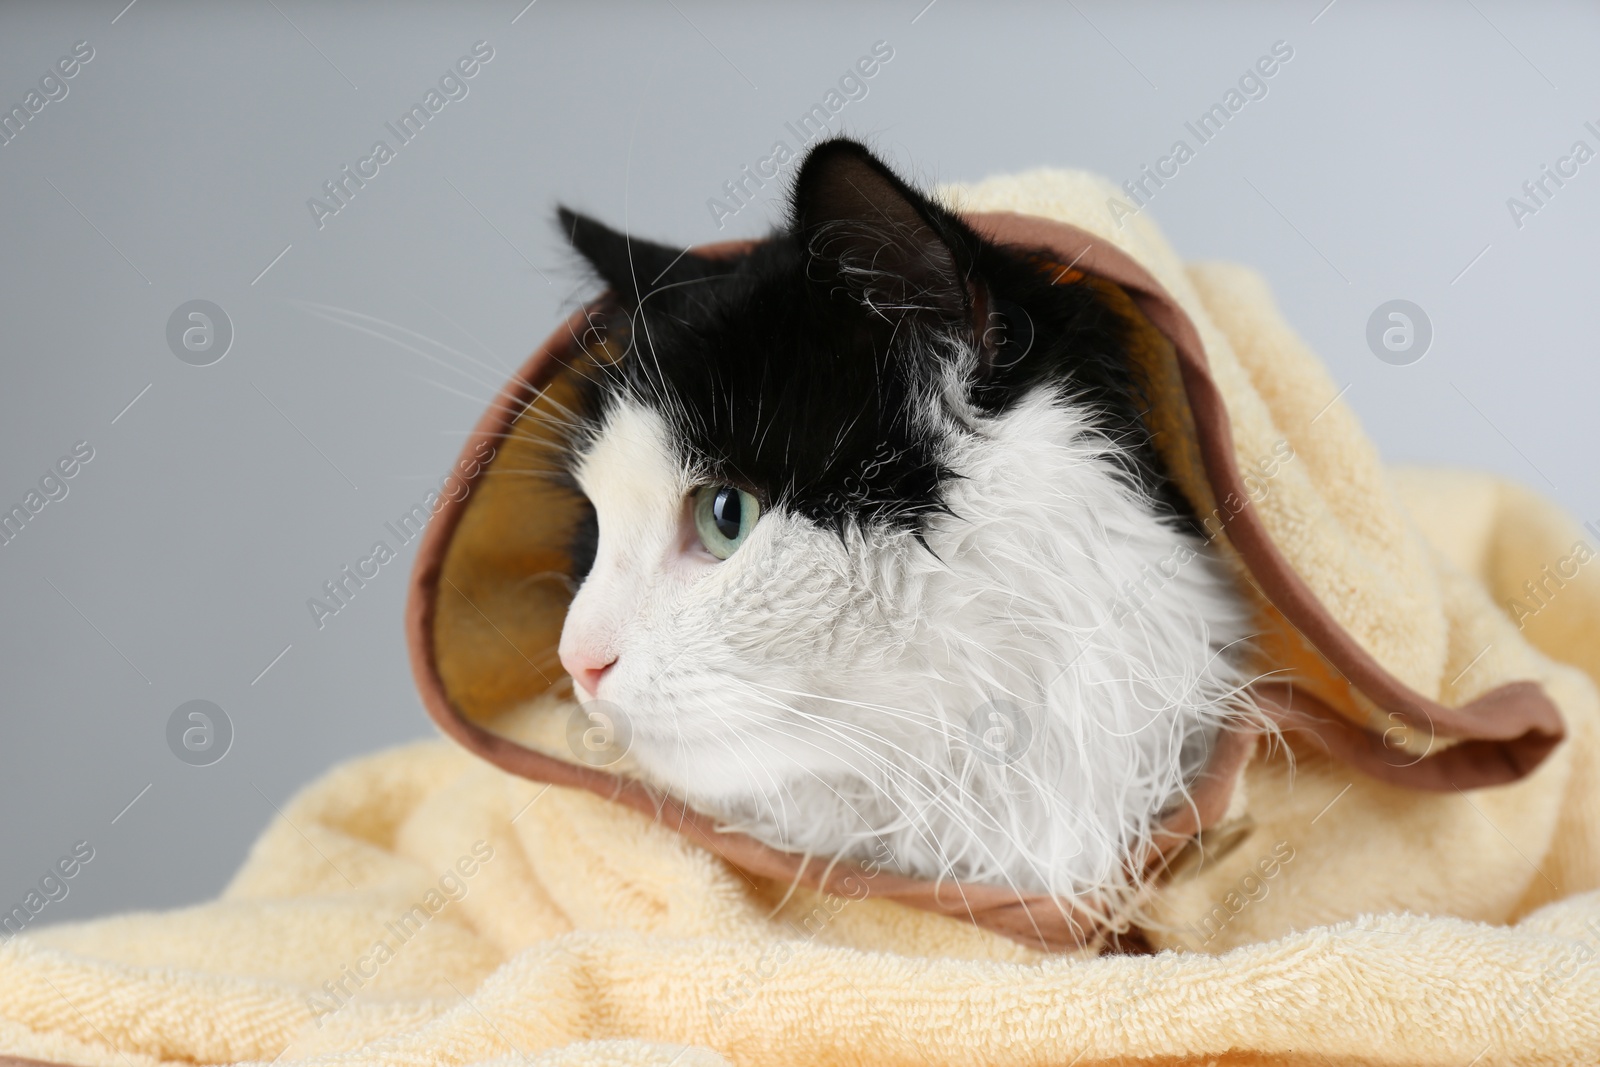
1501,736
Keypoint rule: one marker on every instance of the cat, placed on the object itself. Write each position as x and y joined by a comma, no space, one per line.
865,500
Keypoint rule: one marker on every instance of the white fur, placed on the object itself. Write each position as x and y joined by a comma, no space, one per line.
832,695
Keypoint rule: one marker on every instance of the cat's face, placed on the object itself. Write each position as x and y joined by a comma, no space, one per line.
720,628
854,487
750,461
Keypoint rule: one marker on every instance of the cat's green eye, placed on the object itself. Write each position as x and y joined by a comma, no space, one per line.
724,516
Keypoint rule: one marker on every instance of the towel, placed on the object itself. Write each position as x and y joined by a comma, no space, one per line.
423,906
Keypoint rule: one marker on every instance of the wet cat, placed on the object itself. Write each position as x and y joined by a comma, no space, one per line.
867,502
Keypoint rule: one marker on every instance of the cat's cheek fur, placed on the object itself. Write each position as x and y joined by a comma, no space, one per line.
724,677
707,655
636,489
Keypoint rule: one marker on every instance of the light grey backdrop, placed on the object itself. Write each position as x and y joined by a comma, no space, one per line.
179,164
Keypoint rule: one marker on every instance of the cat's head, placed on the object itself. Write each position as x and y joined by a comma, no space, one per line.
851,487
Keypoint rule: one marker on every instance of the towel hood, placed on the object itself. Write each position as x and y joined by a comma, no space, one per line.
492,581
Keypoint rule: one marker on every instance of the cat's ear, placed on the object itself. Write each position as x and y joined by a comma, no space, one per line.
630,267
887,245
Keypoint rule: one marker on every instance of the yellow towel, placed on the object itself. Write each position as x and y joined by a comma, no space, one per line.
420,907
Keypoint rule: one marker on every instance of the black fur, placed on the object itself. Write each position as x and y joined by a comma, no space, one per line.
794,368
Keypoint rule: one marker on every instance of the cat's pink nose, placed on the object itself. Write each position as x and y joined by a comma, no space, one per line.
587,668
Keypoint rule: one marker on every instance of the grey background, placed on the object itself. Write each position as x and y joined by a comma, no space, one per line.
180,563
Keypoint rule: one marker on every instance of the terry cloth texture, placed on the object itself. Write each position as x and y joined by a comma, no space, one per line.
421,907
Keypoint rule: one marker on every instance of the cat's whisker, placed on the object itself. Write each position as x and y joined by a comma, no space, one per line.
896,771
331,310
782,789
947,863
336,315
465,333
476,400
822,726
560,477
